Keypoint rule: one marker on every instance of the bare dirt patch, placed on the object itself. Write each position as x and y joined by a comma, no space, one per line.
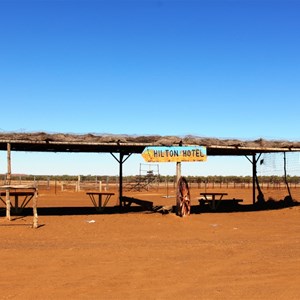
80,254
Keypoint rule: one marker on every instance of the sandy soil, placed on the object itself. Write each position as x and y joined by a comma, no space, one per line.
77,253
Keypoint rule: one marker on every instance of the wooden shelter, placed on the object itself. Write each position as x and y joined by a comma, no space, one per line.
122,146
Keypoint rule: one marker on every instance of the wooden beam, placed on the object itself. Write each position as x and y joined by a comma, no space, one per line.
253,177
8,180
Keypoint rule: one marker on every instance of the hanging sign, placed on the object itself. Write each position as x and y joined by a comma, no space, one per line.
175,154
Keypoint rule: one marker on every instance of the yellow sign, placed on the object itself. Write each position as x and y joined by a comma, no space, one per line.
175,154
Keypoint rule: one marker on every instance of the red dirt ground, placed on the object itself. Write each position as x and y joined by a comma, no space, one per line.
79,254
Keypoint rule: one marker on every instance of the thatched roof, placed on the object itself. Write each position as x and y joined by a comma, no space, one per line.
60,142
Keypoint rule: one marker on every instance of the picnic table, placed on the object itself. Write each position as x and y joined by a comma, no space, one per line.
98,204
215,198
28,192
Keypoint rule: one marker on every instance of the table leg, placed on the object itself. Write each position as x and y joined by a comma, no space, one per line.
16,204
8,205
107,199
93,200
100,202
213,202
34,208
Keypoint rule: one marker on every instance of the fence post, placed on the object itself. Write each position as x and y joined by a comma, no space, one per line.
78,184
106,187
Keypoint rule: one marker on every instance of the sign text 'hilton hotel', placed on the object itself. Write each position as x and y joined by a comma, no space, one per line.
175,154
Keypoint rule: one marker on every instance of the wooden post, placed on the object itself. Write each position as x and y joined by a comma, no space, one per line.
107,184
8,175
121,160
178,174
7,204
167,185
34,207
253,177
8,181
121,178
78,183
178,171
285,176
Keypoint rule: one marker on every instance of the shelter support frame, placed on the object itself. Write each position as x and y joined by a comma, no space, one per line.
255,183
8,181
254,163
122,158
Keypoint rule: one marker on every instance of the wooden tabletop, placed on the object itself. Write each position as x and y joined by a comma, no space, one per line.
213,194
18,193
20,186
99,193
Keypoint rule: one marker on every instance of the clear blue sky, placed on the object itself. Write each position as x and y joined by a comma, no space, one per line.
224,69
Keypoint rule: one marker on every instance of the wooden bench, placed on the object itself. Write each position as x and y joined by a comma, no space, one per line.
127,201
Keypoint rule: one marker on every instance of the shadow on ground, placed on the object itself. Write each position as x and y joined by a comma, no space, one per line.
72,210
229,207
195,209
